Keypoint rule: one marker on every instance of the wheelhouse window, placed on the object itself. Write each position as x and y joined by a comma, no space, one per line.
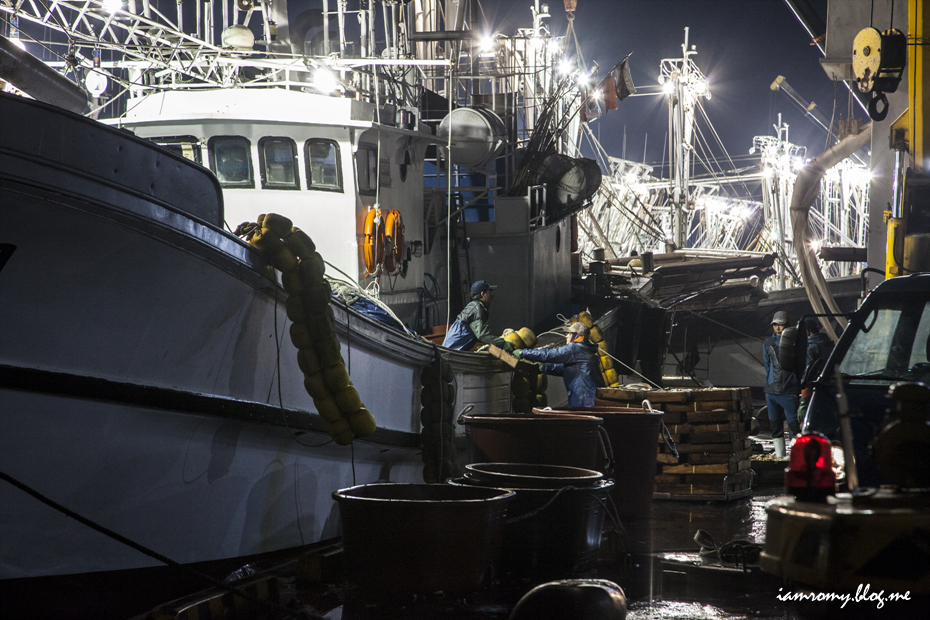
278,160
366,165
231,161
185,146
324,167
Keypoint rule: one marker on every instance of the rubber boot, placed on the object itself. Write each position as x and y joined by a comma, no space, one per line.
780,447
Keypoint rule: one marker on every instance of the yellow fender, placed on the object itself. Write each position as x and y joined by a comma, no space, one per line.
514,339
527,336
277,224
326,378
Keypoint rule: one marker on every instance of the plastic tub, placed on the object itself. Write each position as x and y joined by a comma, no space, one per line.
633,437
530,476
551,531
556,439
421,538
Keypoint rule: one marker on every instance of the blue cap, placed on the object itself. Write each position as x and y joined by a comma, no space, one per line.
481,286
780,318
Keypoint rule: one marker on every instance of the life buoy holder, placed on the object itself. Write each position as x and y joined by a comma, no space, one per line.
373,248
394,236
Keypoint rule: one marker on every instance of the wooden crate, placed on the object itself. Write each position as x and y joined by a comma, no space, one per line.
710,429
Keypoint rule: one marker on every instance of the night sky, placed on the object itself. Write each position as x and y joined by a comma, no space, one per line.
742,46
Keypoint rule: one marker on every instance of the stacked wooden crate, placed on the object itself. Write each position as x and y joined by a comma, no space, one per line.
710,430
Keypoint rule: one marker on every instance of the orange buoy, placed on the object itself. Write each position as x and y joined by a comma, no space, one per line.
394,238
374,241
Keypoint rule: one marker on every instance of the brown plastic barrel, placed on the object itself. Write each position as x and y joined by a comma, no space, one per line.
554,527
557,439
530,476
403,539
633,435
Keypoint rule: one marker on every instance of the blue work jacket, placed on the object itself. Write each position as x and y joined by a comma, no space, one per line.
578,365
777,379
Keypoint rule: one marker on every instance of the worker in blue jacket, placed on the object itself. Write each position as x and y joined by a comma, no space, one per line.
781,386
576,362
471,325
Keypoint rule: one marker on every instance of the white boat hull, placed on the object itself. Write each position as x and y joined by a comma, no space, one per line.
147,381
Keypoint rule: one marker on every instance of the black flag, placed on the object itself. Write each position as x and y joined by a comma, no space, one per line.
623,79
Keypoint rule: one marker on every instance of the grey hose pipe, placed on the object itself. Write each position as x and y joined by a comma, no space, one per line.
806,189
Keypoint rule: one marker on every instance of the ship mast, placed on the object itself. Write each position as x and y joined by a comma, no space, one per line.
682,82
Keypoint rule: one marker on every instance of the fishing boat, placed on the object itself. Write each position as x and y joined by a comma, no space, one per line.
153,401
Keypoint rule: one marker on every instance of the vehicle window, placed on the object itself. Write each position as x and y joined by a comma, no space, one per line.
893,343
868,353
231,161
324,167
278,159
920,354
366,163
185,146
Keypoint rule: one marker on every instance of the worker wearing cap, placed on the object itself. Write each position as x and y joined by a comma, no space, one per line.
781,386
576,362
471,325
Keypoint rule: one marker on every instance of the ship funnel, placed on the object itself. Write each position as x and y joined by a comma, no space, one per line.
478,135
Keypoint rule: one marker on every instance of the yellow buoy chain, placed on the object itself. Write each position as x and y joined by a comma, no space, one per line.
313,328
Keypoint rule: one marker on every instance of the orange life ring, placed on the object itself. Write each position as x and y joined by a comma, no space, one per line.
373,248
394,230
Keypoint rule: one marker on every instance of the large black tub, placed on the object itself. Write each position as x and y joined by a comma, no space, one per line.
554,524
557,439
420,538
633,434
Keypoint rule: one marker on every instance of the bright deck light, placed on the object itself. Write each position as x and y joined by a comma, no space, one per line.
324,81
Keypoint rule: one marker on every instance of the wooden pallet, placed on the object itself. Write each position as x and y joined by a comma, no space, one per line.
710,429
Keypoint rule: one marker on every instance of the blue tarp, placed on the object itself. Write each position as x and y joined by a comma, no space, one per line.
374,311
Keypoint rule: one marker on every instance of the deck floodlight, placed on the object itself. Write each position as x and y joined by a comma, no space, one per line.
324,81
96,83
112,6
